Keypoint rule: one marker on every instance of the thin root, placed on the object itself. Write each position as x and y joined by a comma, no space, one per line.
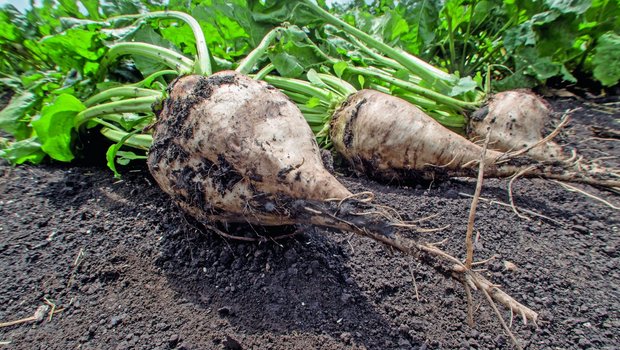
533,213
482,262
351,245
501,320
370,197
415,285
469,244
512,202
427,230
442,166
426,218
470,305
38,316
440,243
599,139
575,189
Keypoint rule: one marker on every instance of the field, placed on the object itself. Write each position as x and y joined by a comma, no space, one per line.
127,270
311,174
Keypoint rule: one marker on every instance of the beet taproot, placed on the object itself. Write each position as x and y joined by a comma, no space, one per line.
230,149
517,119
386,137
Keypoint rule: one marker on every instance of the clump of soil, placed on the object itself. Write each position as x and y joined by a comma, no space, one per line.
130,271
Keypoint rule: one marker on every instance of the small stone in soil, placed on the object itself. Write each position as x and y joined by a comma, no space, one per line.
404,343
584,343
173,340
580,229
115,320
224,311
231,344
163,326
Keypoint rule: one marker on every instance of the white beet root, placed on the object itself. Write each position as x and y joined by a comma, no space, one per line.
389,138
517,120
231,149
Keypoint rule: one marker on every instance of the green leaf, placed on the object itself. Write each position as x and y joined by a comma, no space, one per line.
423,18
92,6
124,157
313,102
110,156
455,13
606,59
524,57
361,80
569,6
482,10
74,49
515,81
543,68
131,120
293,53
557,38
122,7
238,12
182,37
340,67
147,35
402,74
70,7
55,126
8,31
113,150
567,75
544,17
120,34
28,150
287,65
522,35
314,78
222,25
464,85
395,26
13,118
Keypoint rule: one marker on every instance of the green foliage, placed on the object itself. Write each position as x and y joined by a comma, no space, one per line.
11,117
294,53
230,27
605,60
31,92
147,34
555,37
114,155
52,62
19,152
55,125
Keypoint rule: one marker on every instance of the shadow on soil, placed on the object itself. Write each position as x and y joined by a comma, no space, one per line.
294,285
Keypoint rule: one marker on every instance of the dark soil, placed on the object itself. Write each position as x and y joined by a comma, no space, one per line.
129,271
